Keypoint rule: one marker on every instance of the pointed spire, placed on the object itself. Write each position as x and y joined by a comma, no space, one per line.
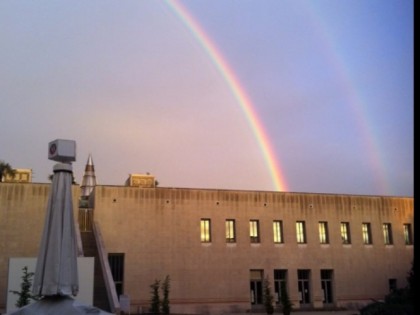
89,178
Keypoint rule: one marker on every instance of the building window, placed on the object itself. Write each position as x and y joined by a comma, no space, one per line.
256,286
116,264
408,236
327,285
303,287
386,228
205,230
392,285
280,284
345,232
230,231
300,232
278,231
254,232
323,232
367,233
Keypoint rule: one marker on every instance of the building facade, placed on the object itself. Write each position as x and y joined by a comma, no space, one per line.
217,246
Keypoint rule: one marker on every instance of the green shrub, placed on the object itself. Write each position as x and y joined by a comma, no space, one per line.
285,301
268,297
25,294
155,299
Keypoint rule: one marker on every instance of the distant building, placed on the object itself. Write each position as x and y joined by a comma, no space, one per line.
21,175
328,251
141,180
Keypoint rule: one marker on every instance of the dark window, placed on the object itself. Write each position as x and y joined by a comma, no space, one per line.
280,284
408,236
303,287
116,264
256,287
327,285
392,285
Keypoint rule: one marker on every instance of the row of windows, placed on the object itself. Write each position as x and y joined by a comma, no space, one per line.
304,285
254,232
280,285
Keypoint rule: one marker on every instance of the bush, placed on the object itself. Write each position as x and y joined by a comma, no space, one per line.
285,301
398,302
158,305
268,297
165,300
25,294
155,300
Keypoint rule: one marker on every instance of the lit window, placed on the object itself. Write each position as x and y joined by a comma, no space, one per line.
254,232
230,231
345,232
408,236
300,232
367,233
323,232
386,227
278,231
205,229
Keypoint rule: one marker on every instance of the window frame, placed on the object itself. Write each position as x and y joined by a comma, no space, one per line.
278,232
205,230
345,233
387,232
367,233
408,234
254,231
301,232
230,230
323,232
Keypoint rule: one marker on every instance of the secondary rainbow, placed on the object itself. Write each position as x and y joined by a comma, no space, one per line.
365,125
239,93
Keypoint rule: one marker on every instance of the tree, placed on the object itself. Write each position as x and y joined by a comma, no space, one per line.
285,301
268,296
155,300
410,287
6,169
165,299
25,294
398,302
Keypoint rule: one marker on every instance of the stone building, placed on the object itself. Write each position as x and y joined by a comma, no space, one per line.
20,175
217,246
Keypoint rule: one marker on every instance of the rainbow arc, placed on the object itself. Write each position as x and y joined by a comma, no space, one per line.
237,90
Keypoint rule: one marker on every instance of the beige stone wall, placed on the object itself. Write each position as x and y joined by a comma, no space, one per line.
158,230
22,215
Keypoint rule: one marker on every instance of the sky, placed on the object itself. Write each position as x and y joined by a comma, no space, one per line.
268,95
